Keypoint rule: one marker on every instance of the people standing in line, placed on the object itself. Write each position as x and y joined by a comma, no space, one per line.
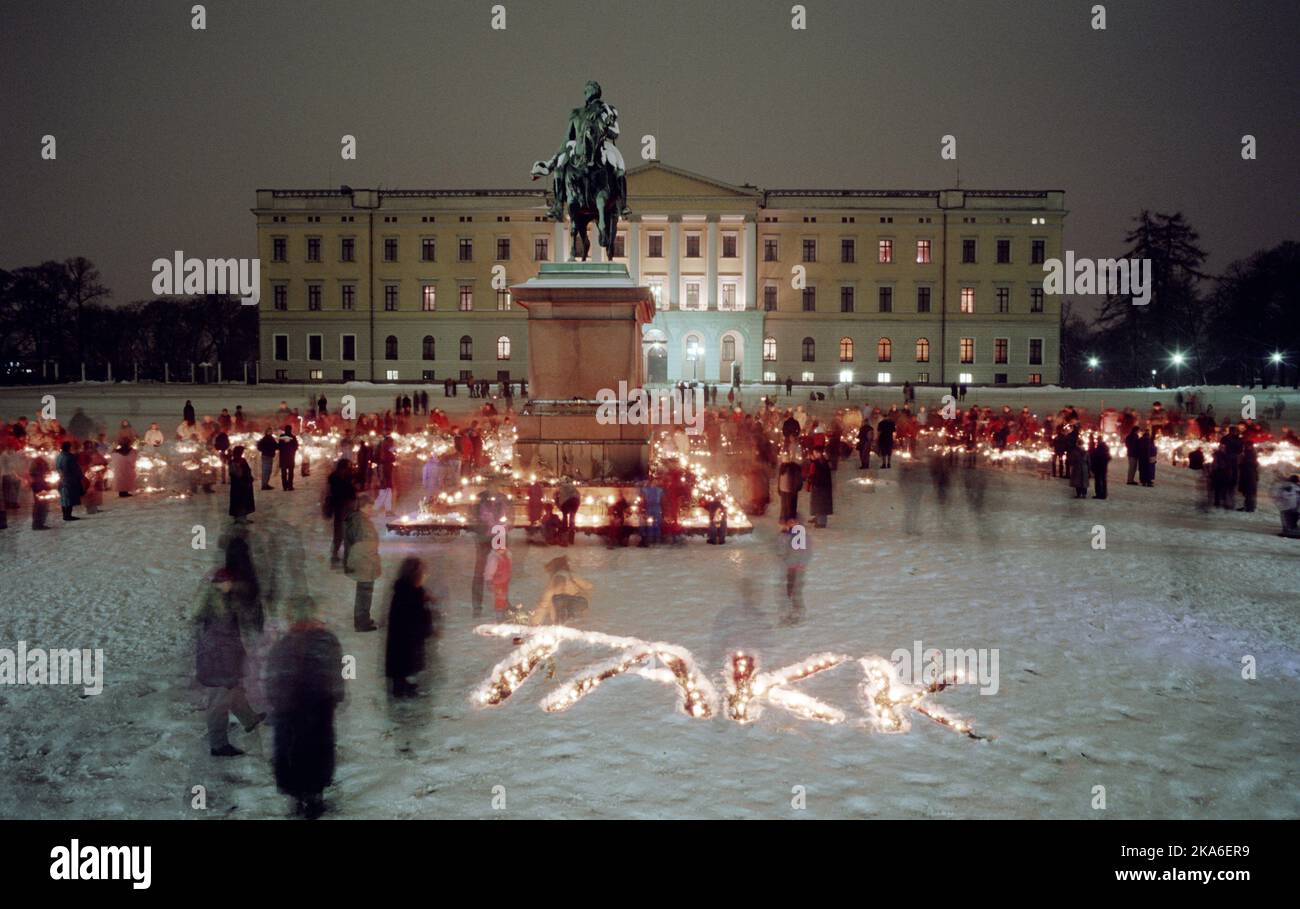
219,662
267,447
361,561
71,482
1099,464
411,622
287,450
340,498
241,485
304,688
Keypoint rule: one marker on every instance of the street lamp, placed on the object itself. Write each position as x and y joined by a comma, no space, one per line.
1093,362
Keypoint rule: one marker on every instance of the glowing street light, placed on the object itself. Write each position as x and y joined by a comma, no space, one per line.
1276,358
1093,362
1178,359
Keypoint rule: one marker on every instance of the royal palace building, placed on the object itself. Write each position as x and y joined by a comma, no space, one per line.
815,285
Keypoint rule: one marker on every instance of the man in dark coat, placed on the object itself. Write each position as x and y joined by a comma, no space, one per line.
304,687
865,433
71,482
187,412
411,622
1132,448
340,499
885,440
819,482
267,448
241,485
1098,461
1076,465
1248,475
288,451
789,481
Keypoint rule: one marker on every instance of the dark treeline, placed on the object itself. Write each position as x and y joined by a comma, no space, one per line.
56,316
1225,327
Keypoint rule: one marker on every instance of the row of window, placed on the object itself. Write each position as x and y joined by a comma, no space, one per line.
390,375
347,298
655,249
885,350
885,299
390,245
348,347
886,378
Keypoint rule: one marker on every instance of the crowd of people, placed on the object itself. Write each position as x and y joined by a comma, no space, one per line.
269,656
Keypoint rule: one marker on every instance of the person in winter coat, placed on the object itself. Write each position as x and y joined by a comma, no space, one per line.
304,688
496,574
885,440
267,448
219,662
865,434
340,499
287,449
71,482
1248,476
93,466
1076,464
1286,494
1098,464
124,468
1149,454
819,484
567,500
361,561
387,466
241,485
36,478
187,412
793,545
153,436
1133,448
789,480
566,596
411,622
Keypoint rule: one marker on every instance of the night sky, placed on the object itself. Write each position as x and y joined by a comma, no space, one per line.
165,132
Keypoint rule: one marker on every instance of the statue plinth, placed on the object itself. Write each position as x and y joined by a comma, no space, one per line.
584,335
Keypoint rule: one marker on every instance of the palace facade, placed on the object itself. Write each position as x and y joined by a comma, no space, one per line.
823,286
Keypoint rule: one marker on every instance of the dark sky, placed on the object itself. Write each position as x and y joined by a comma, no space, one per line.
164,132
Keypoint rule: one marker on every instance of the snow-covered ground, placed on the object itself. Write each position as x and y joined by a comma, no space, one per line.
1119,668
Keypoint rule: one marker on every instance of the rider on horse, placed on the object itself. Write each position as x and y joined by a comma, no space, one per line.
589,146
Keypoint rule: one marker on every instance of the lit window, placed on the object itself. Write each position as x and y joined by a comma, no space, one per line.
884,350
968,350
968,299
965,378
769,349
1000,350
883,378
846,350
503,348
466,298
923,350
769,376
807,377
922,252
391,375
885,254
846,375
429,298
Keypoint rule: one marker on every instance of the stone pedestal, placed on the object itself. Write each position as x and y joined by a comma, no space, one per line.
584,335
